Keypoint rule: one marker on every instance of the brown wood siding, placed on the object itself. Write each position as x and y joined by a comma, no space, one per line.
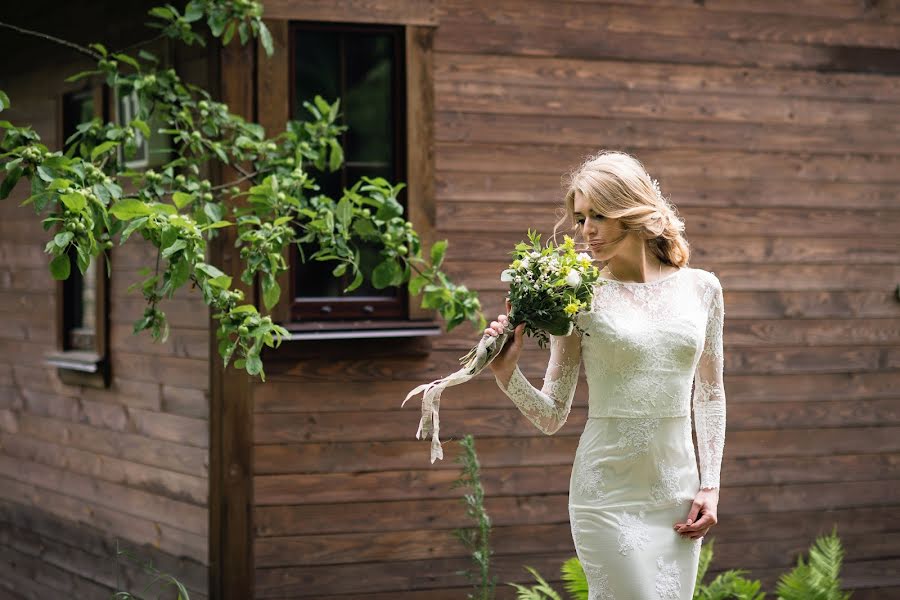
771,126
82,467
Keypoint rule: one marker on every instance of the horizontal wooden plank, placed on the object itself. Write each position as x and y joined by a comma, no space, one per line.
129,527
661,77
79,548
93,492
660,129
60,581
712,189
294,395
315,488
177,486
738,361
174,370
760,434
419,513
691,23
868,539
752,249
438,573
407,12
135,448
734,276
67,563
701,109
557,159
152,424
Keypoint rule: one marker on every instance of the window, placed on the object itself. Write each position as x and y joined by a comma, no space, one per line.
81,355
363,65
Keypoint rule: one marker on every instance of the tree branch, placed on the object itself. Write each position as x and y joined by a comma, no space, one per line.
86,51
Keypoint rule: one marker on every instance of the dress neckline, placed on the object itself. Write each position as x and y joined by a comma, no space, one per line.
667,277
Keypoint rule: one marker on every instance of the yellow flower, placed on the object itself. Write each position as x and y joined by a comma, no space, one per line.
516,264
568,242
572,308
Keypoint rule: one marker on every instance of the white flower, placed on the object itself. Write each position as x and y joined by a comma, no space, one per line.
584,256
525,263
507,275
573,279
534,254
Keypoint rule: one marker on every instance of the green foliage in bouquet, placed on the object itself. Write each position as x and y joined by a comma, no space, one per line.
548,286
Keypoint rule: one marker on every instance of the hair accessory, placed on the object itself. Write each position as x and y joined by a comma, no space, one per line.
658,192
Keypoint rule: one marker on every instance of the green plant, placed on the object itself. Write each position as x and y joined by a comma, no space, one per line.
159,580
475,539
179,211
819,578
726,586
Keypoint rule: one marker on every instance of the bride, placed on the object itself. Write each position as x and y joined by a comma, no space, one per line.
638,505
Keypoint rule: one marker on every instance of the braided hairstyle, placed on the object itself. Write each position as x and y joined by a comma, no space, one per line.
618,186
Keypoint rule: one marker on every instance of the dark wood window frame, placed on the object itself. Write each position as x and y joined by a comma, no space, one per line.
274,105
83,366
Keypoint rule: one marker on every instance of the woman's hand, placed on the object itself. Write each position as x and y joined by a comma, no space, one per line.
705,504
505,363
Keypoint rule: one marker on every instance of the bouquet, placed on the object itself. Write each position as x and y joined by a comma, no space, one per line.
549,287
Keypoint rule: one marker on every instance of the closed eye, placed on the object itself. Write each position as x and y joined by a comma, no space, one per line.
579,220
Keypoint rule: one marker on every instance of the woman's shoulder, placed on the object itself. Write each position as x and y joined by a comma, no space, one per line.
708,278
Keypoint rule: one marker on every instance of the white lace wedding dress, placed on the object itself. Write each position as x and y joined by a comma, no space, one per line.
635,471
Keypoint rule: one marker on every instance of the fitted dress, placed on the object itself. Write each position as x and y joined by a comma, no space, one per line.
635,471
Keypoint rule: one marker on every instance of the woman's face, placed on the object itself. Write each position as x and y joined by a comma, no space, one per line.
601,233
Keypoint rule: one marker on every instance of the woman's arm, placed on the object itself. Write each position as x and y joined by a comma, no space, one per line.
548,408
709,392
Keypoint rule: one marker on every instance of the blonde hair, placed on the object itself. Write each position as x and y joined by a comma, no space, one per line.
618,186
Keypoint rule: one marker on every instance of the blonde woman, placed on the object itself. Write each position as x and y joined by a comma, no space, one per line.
638,505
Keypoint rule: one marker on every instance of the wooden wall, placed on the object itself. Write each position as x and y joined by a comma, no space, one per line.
81,467
772,126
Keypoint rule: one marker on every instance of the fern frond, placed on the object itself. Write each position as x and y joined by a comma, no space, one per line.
575,579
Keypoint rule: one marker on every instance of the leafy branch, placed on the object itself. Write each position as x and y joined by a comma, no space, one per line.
178,211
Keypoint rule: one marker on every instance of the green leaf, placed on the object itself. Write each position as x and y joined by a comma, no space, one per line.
357,281
282,220
387,273
9,182
229,33
81,75
74,201
337,155
178,245
60,267
104,147
181,199
4,99
209,270
254,364
438,249
135,224
416,284
265,38
129,208
63,238
271,292
127,60
162,12
244,308
142,125
339,270
223,281
344,211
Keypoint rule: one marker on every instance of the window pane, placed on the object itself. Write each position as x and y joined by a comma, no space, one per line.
80,297
358,67
318,69
368,98
78,108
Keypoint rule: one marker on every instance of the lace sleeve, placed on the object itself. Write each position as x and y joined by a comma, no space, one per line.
548,408
709,392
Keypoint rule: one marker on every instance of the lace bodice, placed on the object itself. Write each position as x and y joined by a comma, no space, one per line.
645,344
